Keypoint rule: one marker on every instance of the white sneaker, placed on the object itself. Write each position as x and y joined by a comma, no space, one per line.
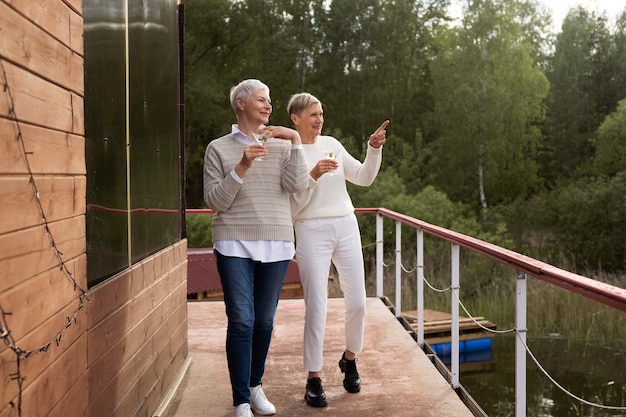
259,402
243,410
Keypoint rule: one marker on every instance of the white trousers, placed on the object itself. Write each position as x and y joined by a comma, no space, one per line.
318,242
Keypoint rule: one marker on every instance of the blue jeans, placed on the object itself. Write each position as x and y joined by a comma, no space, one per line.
251,292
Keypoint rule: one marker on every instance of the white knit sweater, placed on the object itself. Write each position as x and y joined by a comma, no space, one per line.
328,196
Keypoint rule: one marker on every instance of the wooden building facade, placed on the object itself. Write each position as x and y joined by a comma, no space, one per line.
93,313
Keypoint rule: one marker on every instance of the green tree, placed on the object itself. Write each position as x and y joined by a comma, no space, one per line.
489,91
580,95
589,223
610,143
618,75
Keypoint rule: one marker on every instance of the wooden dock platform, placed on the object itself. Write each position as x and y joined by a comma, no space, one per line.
437,326
399,379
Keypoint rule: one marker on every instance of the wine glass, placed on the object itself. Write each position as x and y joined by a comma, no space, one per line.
331,154
261,138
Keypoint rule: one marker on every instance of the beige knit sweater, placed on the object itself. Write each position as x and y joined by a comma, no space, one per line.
258,208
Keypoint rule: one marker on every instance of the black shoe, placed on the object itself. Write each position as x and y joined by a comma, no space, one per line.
315,396
352,381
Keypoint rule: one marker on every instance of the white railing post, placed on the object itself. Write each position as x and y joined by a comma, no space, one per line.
520,345
379,255
398,269
420,288
454,331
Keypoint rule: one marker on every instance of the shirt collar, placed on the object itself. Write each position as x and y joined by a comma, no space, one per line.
241,137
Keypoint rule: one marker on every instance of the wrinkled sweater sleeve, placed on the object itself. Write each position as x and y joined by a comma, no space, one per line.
296,173
363,174
220,188
301,199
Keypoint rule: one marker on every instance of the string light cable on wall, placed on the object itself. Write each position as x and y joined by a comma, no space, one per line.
5,332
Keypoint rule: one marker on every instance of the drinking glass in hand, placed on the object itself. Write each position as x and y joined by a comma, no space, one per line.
261,137
331,154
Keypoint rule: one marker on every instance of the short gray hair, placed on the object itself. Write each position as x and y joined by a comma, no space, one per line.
299,102
244,89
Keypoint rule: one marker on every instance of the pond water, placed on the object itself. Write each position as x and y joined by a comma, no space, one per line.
595,373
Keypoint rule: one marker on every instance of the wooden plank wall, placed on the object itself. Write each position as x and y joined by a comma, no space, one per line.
117,354
42,171
137,336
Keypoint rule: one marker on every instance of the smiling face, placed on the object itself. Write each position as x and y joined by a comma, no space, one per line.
309,122
257,108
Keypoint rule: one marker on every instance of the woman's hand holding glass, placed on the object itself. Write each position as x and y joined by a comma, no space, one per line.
331,155
325,166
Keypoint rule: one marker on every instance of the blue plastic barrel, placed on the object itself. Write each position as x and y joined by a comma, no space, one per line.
471,345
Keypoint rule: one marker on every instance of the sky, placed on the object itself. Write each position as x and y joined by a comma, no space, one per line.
560,8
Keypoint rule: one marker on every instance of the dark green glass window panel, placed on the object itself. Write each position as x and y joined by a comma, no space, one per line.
105,139
154,127
139,155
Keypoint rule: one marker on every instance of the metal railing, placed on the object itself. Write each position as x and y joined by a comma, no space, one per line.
525,266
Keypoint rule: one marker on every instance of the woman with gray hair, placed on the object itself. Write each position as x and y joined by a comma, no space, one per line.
253,238
327,230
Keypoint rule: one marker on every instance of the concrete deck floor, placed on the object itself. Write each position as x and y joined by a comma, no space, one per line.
398,379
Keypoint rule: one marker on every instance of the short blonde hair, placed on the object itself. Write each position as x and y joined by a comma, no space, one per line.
299,102
244,89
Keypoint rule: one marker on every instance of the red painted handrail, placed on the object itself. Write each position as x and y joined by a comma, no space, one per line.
604,293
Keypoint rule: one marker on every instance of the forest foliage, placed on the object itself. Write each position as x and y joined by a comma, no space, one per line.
501,127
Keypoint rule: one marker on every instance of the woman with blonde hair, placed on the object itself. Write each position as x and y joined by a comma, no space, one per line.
327,230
